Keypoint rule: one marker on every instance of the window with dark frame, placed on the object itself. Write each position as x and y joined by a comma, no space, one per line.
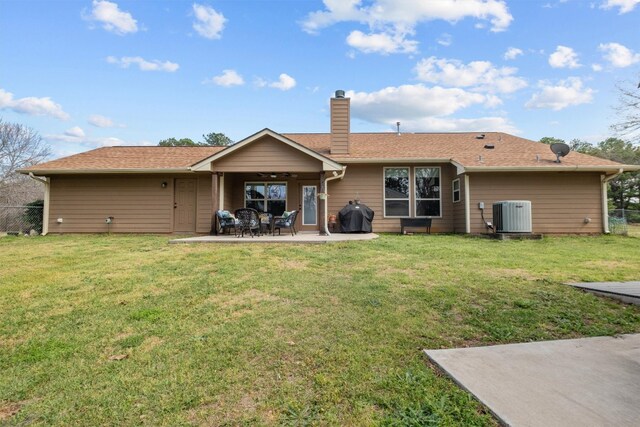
268,197
427,191
396,192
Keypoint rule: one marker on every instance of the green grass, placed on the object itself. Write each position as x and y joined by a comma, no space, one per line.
281,335
633,230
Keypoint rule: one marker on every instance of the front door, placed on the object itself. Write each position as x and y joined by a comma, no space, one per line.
309,203
184,204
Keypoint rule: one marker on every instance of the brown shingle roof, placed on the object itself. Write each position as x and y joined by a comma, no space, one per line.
126,158
463,148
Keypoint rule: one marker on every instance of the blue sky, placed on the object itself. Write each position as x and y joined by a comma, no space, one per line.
91,73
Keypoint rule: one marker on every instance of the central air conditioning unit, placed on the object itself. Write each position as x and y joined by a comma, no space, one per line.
512,216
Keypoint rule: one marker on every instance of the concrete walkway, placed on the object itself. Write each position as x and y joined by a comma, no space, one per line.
579,382
628,292
301,237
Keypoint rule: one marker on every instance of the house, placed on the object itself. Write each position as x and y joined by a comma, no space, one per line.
443,176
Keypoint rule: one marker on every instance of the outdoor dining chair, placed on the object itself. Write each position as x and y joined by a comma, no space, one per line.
286,222
248,220
224,221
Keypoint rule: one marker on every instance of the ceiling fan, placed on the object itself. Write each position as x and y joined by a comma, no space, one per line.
277,175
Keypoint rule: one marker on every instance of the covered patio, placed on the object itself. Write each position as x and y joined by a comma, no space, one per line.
271,174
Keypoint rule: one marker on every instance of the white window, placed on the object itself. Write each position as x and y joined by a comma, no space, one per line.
427,191
396,192
268,197
455,190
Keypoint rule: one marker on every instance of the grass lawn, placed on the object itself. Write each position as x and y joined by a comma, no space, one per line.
287,334
633,230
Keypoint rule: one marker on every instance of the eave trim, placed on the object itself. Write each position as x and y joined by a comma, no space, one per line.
48,172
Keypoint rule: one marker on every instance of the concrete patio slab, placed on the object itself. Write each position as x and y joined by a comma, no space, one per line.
628,292
301,237
578,382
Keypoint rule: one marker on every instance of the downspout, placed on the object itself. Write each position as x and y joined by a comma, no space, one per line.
325,221
45,213
467,205
605,200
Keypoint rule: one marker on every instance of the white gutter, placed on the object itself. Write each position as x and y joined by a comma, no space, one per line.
605,200
559,168
467,205
45,209
392,160
103,171
325,221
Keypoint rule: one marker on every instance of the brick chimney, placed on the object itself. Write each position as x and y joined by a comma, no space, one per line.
340,123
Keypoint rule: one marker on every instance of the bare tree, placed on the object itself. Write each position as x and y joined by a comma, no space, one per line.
628,109
20,147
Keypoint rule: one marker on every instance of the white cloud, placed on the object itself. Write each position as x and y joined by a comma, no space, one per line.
228,78
75,132
513,53
421,108
32,106
481,75
405,14
143,64
209,23
411,102
618,55
285,82
92,142
624,6
566,93
383,43
564,57
112,18
596,67
445,39
394,20
446,124
100,121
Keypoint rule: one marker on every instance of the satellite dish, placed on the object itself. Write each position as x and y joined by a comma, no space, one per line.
560,149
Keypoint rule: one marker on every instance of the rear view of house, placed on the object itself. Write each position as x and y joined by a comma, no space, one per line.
452,178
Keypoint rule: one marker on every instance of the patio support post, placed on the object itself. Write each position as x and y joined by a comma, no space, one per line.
214,202
324,230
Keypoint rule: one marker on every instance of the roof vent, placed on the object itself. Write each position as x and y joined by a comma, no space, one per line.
339,94
481,136
489,146
398,126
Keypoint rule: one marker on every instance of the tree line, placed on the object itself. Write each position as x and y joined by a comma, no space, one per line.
624,190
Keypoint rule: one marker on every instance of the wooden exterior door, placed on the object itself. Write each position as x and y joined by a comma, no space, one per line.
184,206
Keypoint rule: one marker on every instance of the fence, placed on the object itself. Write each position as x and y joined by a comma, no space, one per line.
21,219
621,219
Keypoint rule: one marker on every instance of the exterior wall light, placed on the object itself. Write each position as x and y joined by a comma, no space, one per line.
164,184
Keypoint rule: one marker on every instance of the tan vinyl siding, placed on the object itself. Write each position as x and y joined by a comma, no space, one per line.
204,207
560,202
138,203
267,155
340,125
458,207
366,181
